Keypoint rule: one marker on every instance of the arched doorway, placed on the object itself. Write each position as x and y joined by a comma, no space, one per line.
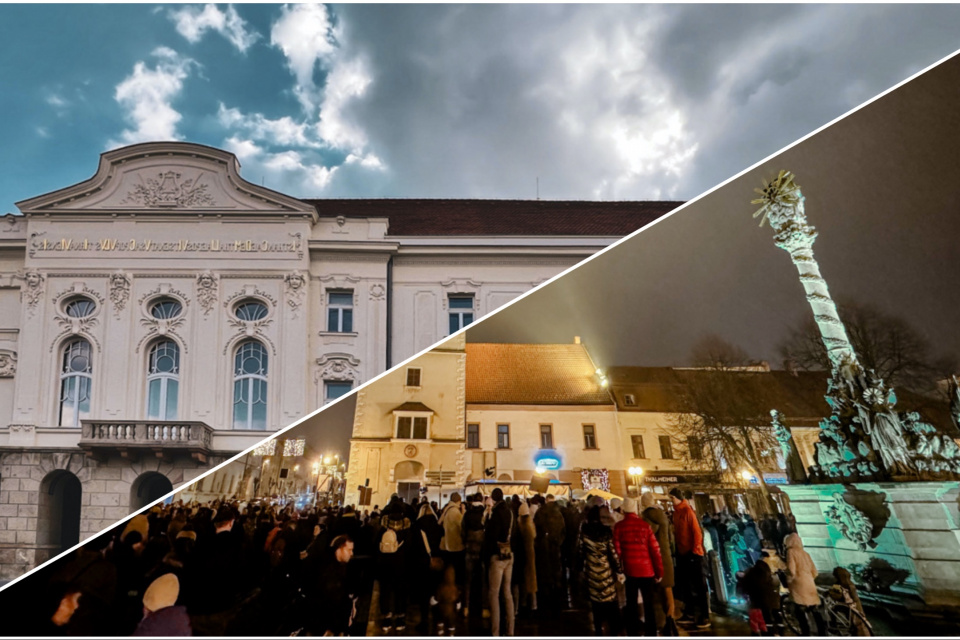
58,511
408,476
147,488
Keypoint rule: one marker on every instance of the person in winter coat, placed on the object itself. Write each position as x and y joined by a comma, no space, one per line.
426,564
393,545
161,615
471,528
551,531
657,519
451,546
691,574
763,590
639,552
332,603
499,531
801,573
573,520
526,567
845,592
600,568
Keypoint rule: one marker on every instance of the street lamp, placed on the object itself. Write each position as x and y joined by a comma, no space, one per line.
746,475
635,475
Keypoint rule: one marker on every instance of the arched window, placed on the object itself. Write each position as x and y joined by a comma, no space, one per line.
250,386
163,381
75,382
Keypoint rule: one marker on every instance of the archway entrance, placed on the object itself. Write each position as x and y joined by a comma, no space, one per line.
147,488
58,511
408,476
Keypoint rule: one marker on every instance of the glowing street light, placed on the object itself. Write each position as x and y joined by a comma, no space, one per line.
746,475
635,475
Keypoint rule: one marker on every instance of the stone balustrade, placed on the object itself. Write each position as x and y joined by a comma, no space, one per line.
133,437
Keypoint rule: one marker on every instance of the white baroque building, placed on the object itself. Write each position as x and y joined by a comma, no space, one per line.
166,313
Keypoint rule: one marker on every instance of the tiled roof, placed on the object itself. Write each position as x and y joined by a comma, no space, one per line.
414,406
799,397
417,217
551,374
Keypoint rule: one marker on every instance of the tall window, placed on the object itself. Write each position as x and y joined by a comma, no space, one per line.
333,389
340,311
666,448
75,382
473,436
461,311
503,436
413,377
695,448
163,381
546,436
250,386
589,436
412,427
638,451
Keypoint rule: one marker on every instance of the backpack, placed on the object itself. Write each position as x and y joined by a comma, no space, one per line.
388,543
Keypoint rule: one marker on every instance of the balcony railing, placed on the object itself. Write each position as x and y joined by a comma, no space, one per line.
133,437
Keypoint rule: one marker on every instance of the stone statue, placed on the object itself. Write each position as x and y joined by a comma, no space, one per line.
796,473
207,291
32,289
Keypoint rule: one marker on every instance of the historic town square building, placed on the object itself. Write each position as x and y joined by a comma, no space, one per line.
166,313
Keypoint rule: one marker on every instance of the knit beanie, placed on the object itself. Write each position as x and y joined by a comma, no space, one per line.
629,506
162,592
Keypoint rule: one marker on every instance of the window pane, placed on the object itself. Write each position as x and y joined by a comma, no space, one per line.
473,436
153,400
461,302
347,321
546,436
666,449
467,319
413,377
333,319
83,411
589,437
420,428
638,451
68,391
403,427
343,299
454,322
336,389
503,436
239,405
259,421
173,391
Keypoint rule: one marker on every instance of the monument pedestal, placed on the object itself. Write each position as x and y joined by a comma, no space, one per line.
915,527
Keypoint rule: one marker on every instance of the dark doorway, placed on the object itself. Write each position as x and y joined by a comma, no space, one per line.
58,512
148,488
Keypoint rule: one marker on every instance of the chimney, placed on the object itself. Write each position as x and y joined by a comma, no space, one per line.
790,367
576,339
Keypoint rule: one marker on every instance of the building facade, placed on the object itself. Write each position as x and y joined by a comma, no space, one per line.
166,313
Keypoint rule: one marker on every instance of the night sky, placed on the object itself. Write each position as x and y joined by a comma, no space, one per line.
882,187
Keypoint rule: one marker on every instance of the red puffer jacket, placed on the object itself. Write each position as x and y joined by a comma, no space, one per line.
638,548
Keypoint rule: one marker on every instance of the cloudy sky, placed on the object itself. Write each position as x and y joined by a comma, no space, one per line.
598,102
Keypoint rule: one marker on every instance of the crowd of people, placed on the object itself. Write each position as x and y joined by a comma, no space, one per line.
474,565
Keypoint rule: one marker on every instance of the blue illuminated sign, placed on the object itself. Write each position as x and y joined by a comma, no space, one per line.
547,459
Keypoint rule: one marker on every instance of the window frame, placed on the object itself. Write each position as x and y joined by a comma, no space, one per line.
459,312
80,376
166,378
477,433
419,376
413,416
661,439
328,383
694,445
636,438
340,308
629,400
548,443
248,380
592,435
503,433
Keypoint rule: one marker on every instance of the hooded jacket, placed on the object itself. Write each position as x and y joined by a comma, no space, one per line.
801,573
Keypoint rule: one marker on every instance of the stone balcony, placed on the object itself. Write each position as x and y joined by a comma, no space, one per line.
135,438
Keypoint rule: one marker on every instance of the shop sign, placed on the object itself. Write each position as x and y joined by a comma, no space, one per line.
771,478
663,478
547,459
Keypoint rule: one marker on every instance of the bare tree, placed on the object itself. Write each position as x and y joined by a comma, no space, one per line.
889,345
713,351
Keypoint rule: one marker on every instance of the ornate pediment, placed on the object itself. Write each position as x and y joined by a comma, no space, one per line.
175,177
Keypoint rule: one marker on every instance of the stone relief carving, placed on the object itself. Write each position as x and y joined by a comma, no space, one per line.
169,189
296,286
851,522
77,325
208,285
8,363
32,289
338,366
119,291
377,291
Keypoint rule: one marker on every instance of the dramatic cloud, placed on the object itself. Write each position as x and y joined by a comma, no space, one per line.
305,34
146,96
193,22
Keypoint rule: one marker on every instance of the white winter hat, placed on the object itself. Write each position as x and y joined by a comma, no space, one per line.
615,504
629,506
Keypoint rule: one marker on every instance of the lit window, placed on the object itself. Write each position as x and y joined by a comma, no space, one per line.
80,307
503,436
251,311
666,448
409,427
165,309
334,389
638,451
413,377
461,311
546,436
250,386
340,311
163,381
589,436
75,382
473,436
